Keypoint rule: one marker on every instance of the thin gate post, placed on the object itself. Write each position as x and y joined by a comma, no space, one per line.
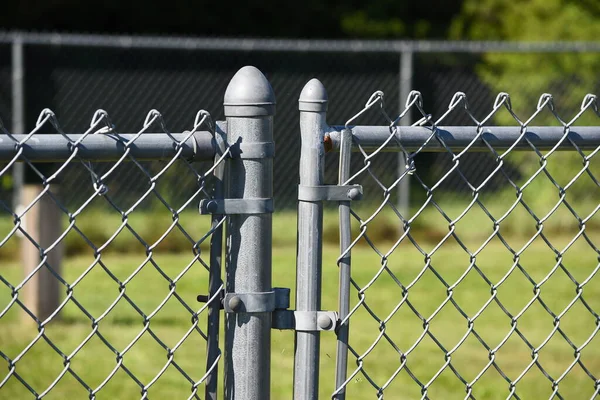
344,266
249,109
313,107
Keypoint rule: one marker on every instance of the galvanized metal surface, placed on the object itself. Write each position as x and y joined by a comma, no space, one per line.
457,138
344,264
330,193
312,105
108,146
236,206
18,111
406,84
215,284
249,108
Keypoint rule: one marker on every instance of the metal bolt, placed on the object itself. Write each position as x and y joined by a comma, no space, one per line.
235,303
324,321
212,206
353,193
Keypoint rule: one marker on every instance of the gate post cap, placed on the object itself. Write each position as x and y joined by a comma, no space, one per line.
249,94
313,97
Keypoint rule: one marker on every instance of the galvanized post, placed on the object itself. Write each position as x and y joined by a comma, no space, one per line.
249,109
215,282
313,106
18,113
406,75
42,222
344,266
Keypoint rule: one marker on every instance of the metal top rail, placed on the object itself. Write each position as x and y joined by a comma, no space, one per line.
109,147
291,45
201,146
413,138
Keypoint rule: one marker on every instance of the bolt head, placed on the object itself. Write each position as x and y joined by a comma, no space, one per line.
324,322
235,303
353,193
211,206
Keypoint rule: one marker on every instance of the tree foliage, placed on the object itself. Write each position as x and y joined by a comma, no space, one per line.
568,76
527,76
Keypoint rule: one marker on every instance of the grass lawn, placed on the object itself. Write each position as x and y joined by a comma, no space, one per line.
41,365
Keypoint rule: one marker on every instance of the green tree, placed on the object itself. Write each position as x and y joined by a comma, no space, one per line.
568,76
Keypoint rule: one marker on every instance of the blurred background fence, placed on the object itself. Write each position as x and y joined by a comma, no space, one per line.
74,75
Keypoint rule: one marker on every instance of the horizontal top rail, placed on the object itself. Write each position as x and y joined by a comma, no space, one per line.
292,45
458,138
109,147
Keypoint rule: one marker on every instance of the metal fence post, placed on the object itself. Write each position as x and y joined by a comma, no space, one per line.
18,112
215,283
249,109
313,107
406,78
42,222
344,266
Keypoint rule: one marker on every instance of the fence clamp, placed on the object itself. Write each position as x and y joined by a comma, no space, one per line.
304,321
259,302
276,302
236,206
330,193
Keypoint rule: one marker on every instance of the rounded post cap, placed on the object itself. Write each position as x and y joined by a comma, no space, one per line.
249,94
313,97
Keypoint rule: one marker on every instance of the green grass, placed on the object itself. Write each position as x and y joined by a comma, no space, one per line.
98,227
96,291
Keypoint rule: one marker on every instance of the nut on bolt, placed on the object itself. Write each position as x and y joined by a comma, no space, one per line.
324,322
235,303
212,206
353,193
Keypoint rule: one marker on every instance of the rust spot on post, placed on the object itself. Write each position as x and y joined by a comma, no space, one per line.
328,144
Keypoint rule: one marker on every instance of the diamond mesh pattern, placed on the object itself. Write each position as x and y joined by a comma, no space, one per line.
103,301
128,81
459,299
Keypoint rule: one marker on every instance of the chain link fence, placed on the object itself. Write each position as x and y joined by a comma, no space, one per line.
97,323
77,74
483,286
490,295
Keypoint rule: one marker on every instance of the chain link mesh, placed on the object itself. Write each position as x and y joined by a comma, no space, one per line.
127,310
127,81
487,296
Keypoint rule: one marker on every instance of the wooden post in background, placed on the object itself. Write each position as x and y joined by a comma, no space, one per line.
41,294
